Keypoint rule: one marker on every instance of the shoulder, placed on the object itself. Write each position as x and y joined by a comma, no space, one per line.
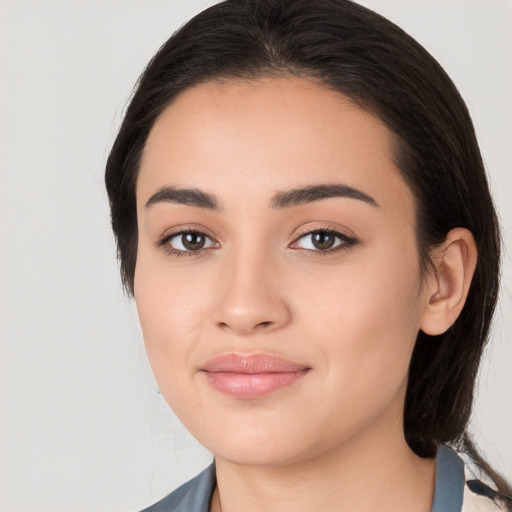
193,496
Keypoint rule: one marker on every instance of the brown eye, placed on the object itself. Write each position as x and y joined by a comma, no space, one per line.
193,241
322,240
188,242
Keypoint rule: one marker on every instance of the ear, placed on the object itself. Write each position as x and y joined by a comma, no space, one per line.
448,283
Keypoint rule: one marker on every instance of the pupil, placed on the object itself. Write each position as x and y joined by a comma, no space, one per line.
323,240
193,241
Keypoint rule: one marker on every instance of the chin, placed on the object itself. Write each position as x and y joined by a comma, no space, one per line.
264,448
256,456
250,447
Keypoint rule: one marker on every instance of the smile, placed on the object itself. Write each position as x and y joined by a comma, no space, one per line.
248,377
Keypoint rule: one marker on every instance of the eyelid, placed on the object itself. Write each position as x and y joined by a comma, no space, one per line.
186,228
312,227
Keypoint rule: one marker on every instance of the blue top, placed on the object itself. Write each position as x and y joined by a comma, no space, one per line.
196,494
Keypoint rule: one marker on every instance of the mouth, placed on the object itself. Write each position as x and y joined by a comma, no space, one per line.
252,376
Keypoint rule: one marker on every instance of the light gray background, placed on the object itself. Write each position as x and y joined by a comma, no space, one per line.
82,426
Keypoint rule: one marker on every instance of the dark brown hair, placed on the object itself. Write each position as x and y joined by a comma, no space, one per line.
352,50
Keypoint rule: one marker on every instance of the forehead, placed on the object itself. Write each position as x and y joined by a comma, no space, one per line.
265,136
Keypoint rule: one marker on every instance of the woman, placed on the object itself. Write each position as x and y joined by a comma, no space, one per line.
304,220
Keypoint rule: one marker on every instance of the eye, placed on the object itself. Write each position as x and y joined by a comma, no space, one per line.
323,240
187,242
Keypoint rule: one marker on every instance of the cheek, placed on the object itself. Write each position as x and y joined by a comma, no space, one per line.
371,324
171,307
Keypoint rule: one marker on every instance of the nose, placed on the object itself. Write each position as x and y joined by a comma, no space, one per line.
251,297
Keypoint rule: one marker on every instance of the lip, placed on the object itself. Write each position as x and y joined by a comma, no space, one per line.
251,376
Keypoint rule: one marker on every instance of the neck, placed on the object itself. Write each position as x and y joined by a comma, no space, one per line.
377,471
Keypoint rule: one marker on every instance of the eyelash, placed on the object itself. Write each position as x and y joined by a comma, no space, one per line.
346,242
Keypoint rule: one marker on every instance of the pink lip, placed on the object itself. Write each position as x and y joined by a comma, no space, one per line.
251,376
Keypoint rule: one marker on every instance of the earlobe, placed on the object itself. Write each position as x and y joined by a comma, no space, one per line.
448,284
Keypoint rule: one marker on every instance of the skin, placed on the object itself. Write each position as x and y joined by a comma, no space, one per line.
260,287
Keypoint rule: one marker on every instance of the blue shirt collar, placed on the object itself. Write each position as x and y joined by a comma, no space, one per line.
450,481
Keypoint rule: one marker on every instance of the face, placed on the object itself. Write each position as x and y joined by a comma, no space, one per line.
277,280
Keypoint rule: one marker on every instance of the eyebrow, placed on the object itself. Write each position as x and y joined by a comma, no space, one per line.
188,196
314,193
285,199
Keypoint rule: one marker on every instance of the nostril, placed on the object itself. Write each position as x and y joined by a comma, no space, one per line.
247,328
264,324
